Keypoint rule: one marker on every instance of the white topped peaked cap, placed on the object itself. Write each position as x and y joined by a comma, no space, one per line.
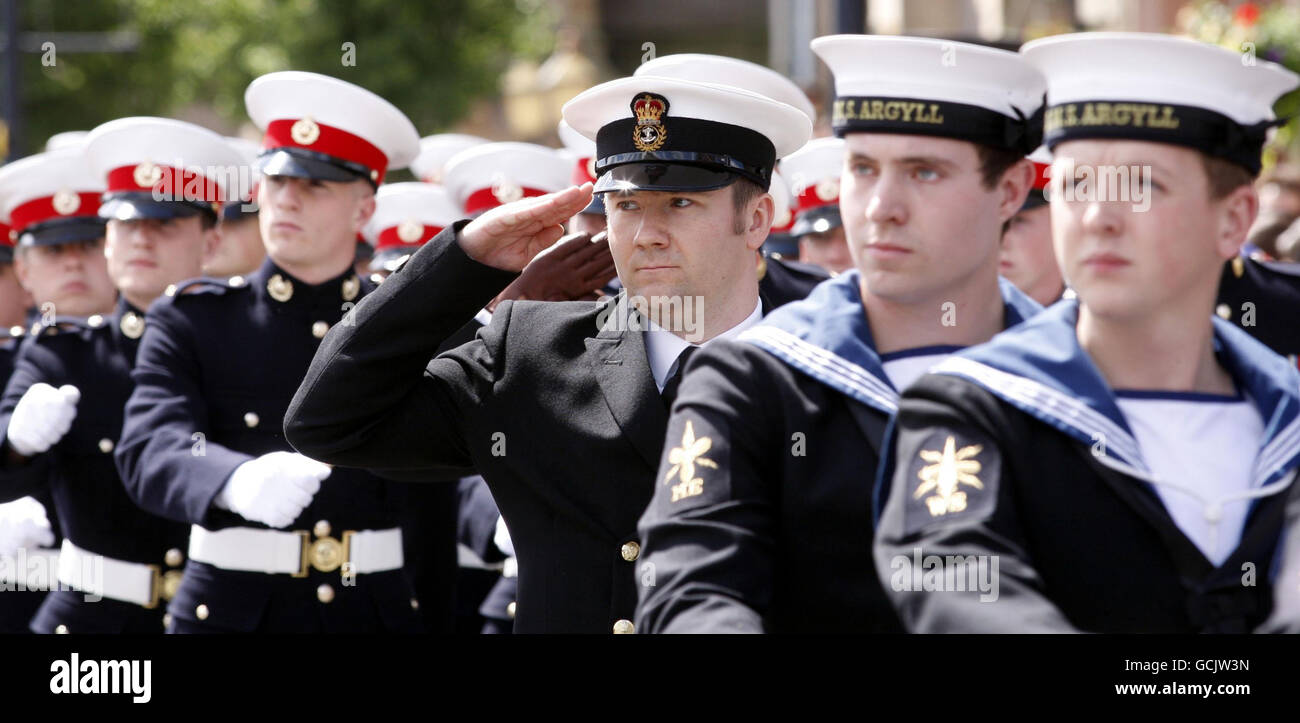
488,175
1149,86
162,168
250,150
674,134
814,174
436,150
927,86
782,200
722,70
51,198
580,145
409,214
360,134
66,139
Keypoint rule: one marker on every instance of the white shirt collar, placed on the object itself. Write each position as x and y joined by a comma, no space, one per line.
663,347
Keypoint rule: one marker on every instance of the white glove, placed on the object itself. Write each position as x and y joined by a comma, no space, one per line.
274,488
42,417
502,538
23,525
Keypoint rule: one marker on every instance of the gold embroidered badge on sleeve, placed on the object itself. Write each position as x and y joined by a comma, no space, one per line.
684,459
947,470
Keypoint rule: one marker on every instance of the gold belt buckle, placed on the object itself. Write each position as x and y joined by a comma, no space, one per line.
326,554
164,585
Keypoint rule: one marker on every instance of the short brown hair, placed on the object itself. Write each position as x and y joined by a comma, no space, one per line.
994,162
1224,176
743,191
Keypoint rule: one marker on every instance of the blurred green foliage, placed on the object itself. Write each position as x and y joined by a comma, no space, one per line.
430,58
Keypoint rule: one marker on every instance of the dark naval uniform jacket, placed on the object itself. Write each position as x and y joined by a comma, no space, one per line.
761,515
553,403
1263,299
217,366
1017,451
95,355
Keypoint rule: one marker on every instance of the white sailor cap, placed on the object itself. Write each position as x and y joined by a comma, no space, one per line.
406,216
782,201
329,129
581,152
814,174
1146,86
51,198
66,139
667,134
436,150
246,205
162,168
931,87
722,70
488,175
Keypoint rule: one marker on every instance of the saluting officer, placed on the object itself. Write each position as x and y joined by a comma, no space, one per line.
1120,461
62,409
280,542
560,406
761,517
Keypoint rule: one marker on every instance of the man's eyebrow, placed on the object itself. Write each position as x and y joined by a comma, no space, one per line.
906,160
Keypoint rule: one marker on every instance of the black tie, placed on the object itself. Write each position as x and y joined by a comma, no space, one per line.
675,376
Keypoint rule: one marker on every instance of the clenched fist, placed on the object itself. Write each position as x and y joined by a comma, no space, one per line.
274,488
42,417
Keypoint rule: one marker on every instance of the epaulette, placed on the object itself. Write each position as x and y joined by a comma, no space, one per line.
206,285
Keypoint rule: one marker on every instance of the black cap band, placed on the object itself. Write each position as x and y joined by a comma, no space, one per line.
133,205
706,144
817,220
1204,130
302,163
58,231
924,117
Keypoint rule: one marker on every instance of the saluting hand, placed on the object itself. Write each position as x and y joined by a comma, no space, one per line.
509,236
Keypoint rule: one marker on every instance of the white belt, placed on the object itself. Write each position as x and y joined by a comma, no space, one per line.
249,549
104,576
31,569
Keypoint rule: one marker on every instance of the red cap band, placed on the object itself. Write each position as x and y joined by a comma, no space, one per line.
486,198
584,171
810,198
166,182
60,205
308,134
392,237
1041,175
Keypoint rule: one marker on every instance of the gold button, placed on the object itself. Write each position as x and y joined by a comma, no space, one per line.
61,630
319,328
106,445
415,604
173,558
1224,311
631,551
624,627
251,419
322,528
201,612
325,594
167,620
510,610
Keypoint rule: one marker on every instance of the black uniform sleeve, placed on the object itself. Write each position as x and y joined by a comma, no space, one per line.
1285,617
373,399
166,460
948,547
32,365
707,557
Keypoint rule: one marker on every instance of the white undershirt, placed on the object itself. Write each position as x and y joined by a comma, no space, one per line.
663,347
905,367
1201,448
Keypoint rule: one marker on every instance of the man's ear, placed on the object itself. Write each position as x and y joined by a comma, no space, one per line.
211,242
1014,187
1237,212
760,221
365,208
